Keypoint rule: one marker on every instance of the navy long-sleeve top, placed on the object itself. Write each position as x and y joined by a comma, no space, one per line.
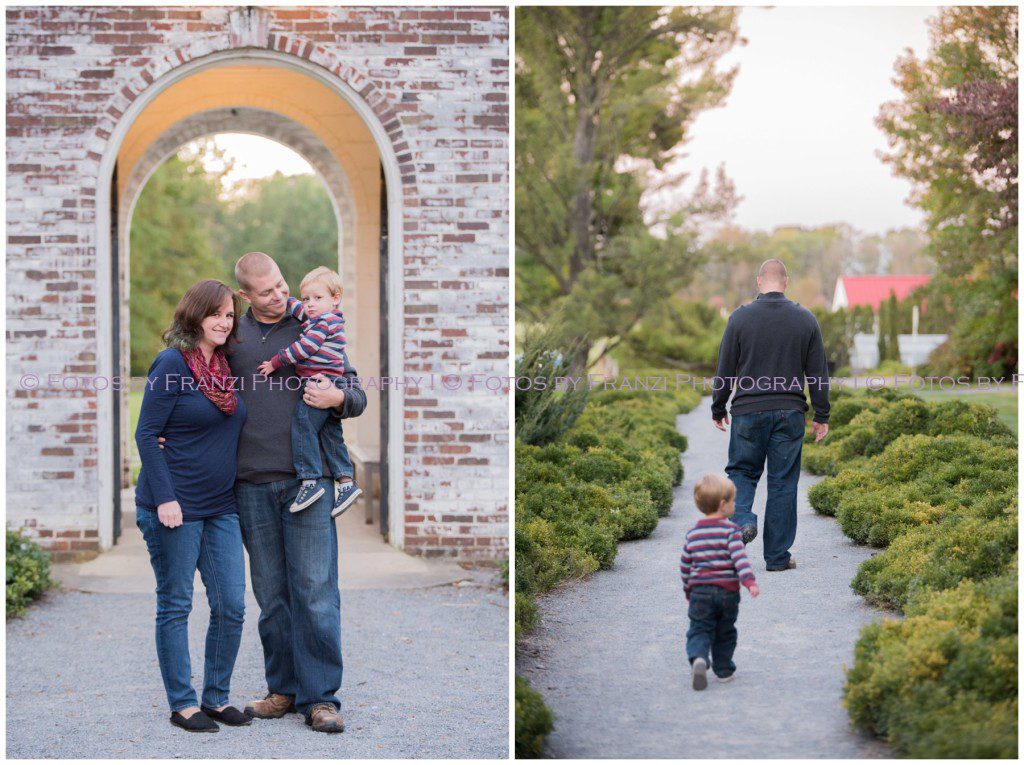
197,465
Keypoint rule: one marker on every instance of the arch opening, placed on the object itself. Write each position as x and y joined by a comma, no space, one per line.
319,116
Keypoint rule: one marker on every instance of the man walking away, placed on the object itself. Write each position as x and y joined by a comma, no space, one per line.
769,348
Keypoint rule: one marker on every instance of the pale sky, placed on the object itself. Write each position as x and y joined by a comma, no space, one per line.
258,157
797,132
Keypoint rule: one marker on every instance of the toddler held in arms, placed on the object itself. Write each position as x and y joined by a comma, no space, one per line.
319,350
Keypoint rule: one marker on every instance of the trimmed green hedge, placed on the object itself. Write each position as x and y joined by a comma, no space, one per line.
606,479
943,681
935,484
863,426
28,573
533,721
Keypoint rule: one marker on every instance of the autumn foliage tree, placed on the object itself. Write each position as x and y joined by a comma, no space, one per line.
953,133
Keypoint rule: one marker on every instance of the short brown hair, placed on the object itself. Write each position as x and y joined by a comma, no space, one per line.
711,490
326,277
774,270
252,264
202,299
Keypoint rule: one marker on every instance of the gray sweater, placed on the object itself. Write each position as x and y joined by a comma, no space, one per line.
265,445
768,348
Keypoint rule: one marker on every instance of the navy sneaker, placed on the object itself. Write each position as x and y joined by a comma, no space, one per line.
308,494
345,496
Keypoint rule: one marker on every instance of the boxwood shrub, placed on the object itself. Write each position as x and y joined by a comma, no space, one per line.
939,557
935,484
864,426
28,573
534,721
942,682
606,479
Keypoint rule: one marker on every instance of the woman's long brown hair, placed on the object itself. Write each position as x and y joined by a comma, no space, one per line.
202,299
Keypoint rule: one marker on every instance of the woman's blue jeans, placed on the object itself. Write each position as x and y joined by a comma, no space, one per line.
776,435
214,546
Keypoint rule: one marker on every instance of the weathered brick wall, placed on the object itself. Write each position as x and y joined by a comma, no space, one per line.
437,79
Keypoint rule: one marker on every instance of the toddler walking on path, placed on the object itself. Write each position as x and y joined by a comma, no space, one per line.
713,565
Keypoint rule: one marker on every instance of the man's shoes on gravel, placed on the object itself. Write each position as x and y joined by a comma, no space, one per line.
790,564
699,671
749,533
726,679
324,718
271,707
197,723
227,715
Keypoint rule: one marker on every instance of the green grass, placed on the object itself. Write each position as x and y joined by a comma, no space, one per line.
1004,402
134,406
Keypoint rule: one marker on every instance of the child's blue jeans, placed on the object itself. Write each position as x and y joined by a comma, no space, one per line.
311,429
712,634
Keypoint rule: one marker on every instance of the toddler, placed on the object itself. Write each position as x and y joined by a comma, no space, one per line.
319,350
713,566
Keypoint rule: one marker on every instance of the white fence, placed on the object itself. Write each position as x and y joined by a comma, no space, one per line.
914,349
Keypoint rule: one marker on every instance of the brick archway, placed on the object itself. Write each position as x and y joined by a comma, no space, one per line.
430,83
401,195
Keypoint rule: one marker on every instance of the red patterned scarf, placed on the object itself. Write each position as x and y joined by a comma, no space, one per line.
213,379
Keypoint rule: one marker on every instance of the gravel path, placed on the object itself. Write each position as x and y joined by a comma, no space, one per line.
609,654
426,675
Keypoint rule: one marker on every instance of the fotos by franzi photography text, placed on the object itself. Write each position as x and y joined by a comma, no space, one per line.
766,357
226,226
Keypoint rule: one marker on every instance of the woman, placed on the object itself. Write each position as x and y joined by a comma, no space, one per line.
186,503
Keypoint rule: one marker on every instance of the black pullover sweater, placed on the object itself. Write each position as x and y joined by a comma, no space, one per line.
769,346
265,444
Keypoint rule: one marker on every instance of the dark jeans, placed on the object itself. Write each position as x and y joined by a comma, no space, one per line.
293,562
777,435
214,546
713,612
312,427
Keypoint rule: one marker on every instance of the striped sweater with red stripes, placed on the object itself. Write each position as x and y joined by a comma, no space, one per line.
321,346
713,554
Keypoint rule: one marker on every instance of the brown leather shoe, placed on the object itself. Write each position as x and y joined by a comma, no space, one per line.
271,707
789,565
324,718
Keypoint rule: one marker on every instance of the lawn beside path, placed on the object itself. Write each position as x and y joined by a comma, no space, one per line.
426,675
609,652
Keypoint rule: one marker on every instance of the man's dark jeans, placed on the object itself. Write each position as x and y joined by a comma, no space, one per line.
712,633
777,435
293,561
311,428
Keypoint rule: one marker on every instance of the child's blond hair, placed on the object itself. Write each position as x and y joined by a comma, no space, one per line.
711,490
325,276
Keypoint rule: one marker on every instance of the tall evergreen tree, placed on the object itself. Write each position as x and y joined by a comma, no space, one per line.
604,96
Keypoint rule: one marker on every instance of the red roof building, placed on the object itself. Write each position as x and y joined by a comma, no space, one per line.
872,290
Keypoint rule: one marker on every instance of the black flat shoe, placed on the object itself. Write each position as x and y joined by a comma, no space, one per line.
197,723
228,716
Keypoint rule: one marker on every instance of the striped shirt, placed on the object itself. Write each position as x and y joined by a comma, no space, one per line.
714,554
320,347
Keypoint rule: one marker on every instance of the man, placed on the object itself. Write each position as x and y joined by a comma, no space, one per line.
293,556
768,349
